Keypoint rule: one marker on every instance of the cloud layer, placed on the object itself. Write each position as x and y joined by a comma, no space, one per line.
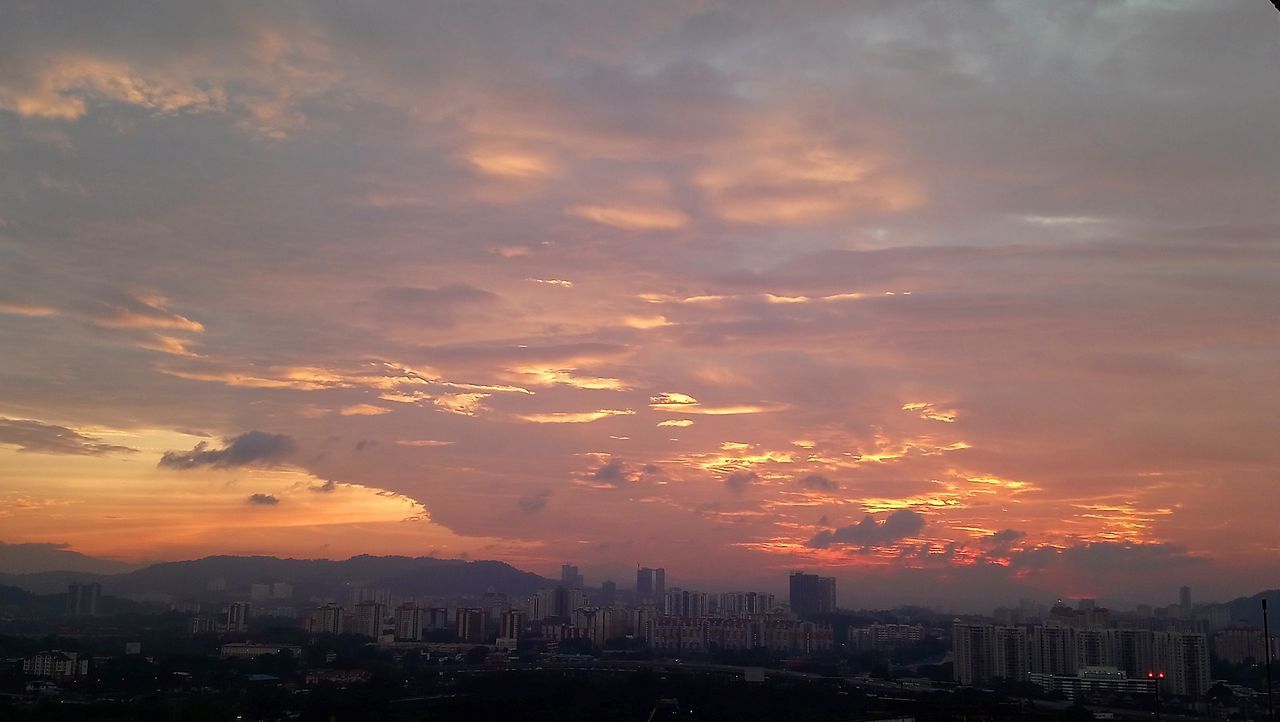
980,292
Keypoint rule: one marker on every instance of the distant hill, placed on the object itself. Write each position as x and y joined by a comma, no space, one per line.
230,576
35,558
1249,609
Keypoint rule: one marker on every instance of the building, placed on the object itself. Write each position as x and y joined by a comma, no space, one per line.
409,618
651,585
56,664
886,636
366,619
569,576
246,650
745,603
608,594
238,616
1184,599
82,599
973,646
986,652
471,627
812,594
685,604
325,620
1184,660
1094,682
1242,644
511,625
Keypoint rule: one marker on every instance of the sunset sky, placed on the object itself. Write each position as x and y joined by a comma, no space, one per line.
957,301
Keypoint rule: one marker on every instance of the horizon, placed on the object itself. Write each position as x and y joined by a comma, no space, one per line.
955,303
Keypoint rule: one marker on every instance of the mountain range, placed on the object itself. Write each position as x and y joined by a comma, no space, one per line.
230,577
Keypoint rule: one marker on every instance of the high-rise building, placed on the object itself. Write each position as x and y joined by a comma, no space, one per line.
973,646
569,576
511,624
608,594
238,616
366,619
651,585
82,599
812,594
437,618
1184,598
409,620
471,625
325,620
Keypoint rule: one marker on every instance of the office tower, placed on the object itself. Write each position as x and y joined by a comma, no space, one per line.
325,620
471,625
409,620
367,619
82,599
651,585
812,594
1184,598
608,594
238,617
569,576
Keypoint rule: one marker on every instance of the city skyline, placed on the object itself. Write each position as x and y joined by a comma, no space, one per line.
951,303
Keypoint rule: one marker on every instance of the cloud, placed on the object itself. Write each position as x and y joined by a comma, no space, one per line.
535,502
262,500
616,472
144,312
1000,543
461,404
441,306
328,487
574,417
253,448
37,437
817,482
738,481
364,410
632,218
678,423
871,532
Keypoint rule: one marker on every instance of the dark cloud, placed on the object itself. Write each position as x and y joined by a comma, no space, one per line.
818,482
32,436
262,500
738,481
617,472
535,502
326,488
872,532
1000,543
253,448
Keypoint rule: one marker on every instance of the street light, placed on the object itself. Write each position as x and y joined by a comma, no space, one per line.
1158,677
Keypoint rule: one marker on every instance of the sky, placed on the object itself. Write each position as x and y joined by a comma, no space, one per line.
959,302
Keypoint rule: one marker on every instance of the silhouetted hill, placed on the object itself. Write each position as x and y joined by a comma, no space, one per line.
231,576
32,558
1249,609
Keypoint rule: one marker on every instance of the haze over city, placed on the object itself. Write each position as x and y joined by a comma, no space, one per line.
955,302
